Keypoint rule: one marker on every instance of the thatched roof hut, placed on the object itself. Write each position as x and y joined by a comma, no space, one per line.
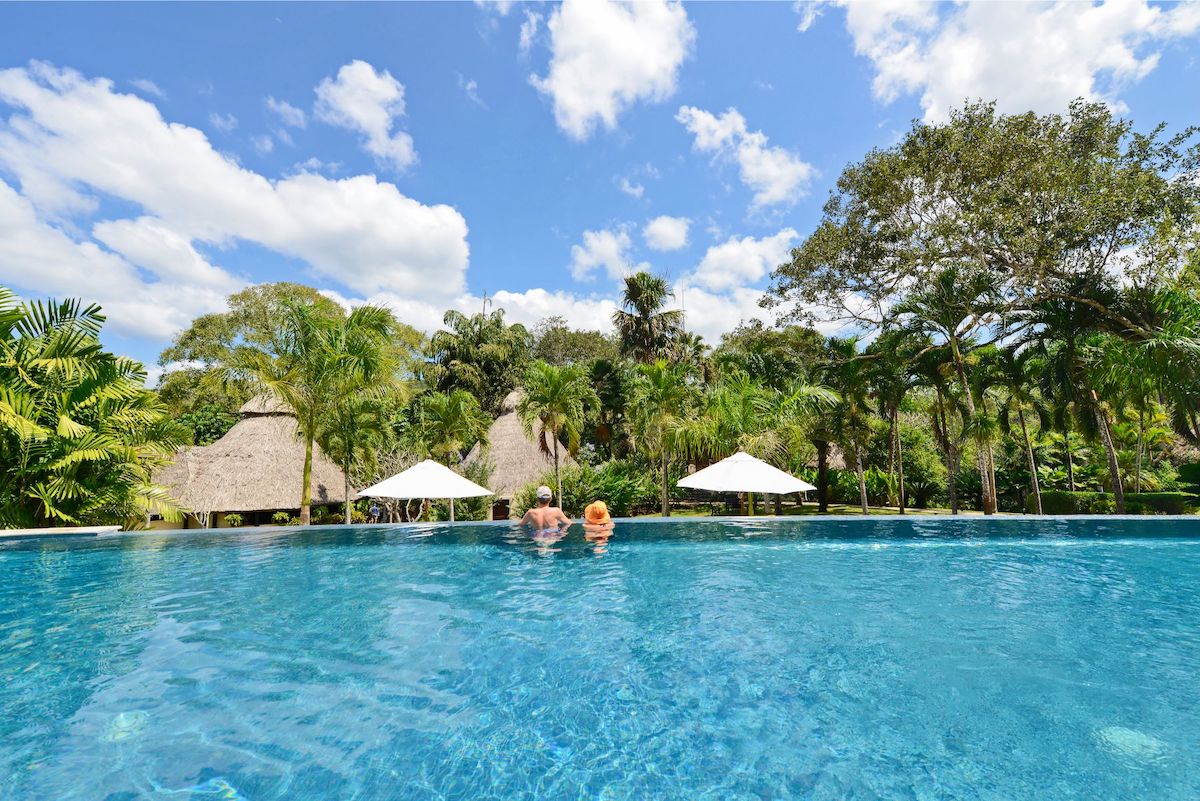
517,459
255,467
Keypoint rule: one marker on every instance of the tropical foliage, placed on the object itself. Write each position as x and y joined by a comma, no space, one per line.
79,435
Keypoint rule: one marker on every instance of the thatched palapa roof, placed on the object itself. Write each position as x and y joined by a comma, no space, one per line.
516,458
256,466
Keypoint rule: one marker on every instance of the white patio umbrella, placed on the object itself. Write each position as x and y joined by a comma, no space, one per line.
744,473
427,479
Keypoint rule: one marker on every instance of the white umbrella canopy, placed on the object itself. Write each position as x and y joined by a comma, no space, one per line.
743,473
427,479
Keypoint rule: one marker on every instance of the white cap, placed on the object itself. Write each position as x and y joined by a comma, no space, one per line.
544,492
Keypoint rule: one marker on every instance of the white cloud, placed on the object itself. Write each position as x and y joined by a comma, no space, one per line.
263,144
148,87
737,262
529,30
608,248
1025,56
368,102
43,260
288,114
712,314
606,56
71,139
666,233
808,10
630,188
222,122
776,175
471,90
501,7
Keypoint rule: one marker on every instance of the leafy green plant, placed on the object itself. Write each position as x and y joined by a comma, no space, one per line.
281,518
233,520
79,434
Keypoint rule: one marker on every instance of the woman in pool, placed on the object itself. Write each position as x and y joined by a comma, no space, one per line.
597,525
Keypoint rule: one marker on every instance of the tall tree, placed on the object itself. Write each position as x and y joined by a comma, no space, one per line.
956,306
481,354
1018,370
660,401
851,420
313,362
450,423
556,401
645,328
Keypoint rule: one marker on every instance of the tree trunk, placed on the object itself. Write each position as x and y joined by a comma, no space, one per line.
1033,476
306,493
951,456
557,477
1114,467
899,459
1070,461
989,501
822,476
346,485
862,481
666,502
1137,473
778,505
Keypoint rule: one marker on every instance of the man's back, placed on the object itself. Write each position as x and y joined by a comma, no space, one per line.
545,517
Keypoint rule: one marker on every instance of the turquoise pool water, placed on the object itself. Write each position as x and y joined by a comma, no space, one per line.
834,659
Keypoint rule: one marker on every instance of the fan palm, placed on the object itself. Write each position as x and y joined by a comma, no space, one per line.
557,401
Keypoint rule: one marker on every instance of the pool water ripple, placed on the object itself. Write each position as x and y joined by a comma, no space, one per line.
832,659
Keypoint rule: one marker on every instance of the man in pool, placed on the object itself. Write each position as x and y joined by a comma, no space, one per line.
545,517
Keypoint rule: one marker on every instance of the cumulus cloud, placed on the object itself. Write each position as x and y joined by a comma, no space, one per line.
737,262
368,102
42,260
288,114
777,176
1023,55
606,56
666,233
71,139
263,144
608,248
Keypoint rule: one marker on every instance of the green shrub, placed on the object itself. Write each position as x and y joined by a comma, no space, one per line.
624,486
1189,474
1162,503
233,520
281,518
1061,502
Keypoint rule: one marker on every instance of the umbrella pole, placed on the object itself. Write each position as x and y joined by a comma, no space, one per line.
451,510
750,500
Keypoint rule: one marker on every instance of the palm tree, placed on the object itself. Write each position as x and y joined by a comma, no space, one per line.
79,435
645,330
557,400
851,419
957,304
891,377
450,423
659,402
480,353
318,360
1018,371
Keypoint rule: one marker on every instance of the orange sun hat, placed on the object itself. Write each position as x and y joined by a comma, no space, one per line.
596,513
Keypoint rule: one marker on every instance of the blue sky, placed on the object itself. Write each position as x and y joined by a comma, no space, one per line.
157,157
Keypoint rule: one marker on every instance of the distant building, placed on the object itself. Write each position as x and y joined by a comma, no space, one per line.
517,459
254,470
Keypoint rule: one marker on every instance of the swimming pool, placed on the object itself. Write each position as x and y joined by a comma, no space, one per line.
814,659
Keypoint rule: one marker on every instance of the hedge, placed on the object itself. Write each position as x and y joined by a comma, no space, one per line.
1061,502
